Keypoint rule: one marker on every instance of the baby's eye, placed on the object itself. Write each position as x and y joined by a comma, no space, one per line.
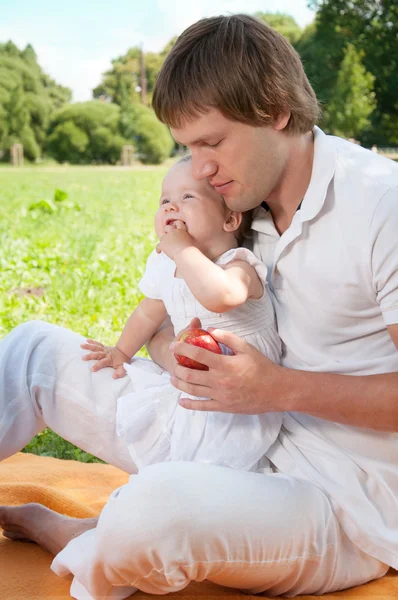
164,201
214,145
187,196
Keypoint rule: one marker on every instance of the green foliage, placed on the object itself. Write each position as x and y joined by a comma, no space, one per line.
48,443
389,129
124,78
150,137
50,206
95,132
67,142
27,98
283,23
77,269
353,100
86,132
371,27
138,123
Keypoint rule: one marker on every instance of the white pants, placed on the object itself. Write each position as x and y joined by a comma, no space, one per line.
174,522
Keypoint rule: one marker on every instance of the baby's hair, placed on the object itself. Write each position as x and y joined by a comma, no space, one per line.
186,157
244,228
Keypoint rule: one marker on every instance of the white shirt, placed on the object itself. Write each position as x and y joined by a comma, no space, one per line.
334,277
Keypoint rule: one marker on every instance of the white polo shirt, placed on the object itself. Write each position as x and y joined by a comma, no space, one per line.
334,278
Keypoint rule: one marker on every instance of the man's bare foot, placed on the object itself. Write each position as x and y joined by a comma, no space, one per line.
37,523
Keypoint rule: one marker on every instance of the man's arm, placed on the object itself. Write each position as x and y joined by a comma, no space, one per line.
393,330
249,383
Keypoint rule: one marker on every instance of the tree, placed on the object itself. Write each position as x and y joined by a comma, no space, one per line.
125,75
86,132
353,99
372,27
150,137
138,123
19,123
122,78
283,23
95,132
27,98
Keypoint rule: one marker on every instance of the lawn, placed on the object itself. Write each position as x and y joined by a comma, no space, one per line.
75,261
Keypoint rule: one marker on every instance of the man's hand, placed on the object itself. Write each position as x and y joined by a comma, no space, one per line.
106,356
174,239
247,383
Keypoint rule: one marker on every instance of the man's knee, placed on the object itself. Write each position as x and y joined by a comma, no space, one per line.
28,329
175,519
162,509
191,505
31,334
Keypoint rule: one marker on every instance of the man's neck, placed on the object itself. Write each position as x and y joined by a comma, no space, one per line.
286,198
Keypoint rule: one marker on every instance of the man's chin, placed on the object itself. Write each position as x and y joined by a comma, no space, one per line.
241,204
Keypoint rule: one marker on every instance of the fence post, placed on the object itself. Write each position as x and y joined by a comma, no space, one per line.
16,155
127,155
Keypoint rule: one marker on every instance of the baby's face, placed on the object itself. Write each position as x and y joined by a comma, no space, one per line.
193,202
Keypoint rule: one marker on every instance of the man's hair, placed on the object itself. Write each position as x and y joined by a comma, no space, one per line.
244,228
240,66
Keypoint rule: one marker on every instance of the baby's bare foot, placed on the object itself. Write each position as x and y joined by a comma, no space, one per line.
37,523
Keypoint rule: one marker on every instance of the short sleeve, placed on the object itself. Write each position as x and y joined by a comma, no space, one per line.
246,255
384,255
152,282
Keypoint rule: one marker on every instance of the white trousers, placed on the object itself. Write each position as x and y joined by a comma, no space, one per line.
173,522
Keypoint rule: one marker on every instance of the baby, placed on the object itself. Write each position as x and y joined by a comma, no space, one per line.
197,270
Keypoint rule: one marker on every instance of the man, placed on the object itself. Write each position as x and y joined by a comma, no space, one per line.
235,93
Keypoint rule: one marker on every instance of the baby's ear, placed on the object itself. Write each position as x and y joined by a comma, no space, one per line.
233,221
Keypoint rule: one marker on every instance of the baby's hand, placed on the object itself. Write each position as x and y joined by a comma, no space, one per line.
106,356
174,239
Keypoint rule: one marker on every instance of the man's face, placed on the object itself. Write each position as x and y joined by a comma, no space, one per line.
243,163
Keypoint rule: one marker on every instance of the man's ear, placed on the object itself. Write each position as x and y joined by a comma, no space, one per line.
233,221
281,120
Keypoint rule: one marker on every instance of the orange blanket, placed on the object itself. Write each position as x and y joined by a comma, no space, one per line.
81,490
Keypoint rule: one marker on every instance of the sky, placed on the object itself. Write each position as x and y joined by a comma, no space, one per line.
75,40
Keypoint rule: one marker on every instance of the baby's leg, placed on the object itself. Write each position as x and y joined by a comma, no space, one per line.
45,382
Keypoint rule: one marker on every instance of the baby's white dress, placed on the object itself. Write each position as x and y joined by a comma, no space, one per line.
156,428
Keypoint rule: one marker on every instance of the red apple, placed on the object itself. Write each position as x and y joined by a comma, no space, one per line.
196,337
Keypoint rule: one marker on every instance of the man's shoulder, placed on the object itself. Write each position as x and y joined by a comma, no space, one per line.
363,166
362,177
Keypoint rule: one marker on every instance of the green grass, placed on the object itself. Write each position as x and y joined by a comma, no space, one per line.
79,265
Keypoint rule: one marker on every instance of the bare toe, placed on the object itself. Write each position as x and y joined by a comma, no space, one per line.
16,536
5,515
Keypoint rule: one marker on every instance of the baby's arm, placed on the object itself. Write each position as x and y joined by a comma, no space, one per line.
217,288
141,326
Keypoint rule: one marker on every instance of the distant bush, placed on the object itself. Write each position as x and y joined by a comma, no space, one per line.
85,132
95,132
149,136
